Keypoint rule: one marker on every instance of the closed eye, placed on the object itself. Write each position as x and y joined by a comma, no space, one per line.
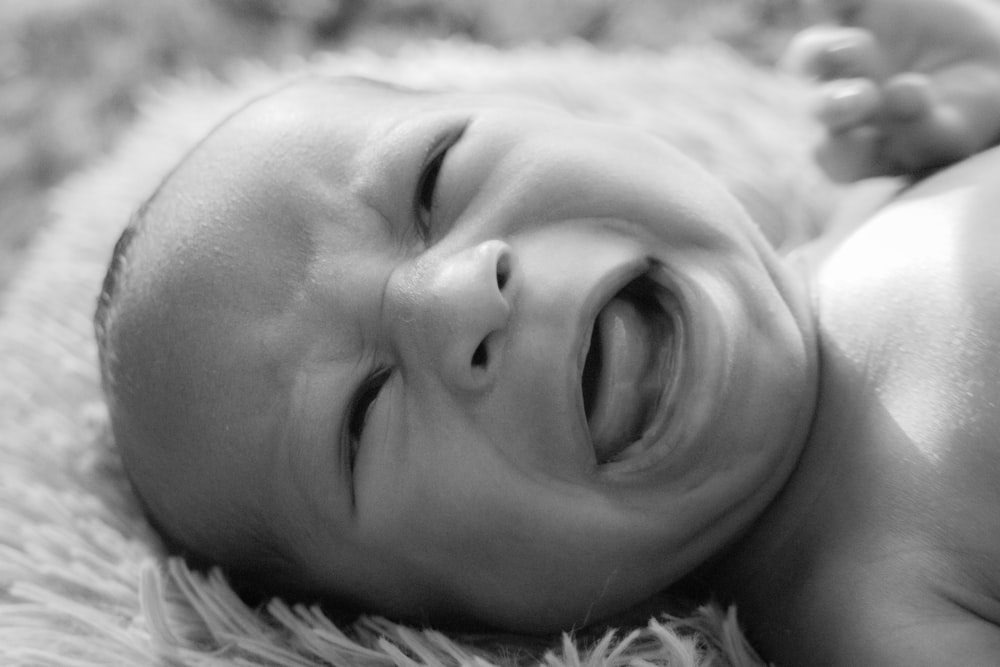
360,408
428,186
425,195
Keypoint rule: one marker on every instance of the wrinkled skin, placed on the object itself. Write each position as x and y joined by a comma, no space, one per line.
401,414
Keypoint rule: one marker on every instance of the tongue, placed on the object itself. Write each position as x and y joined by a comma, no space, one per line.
624,385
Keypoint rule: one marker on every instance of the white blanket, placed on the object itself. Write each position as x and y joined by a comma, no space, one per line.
83,580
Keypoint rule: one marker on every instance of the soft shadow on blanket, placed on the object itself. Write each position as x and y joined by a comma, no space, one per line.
83,580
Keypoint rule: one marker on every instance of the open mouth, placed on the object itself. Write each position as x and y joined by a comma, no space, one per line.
629,367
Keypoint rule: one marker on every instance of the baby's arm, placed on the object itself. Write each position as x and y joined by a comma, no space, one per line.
908,85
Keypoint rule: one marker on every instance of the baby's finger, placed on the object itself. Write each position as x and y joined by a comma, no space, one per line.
938,139
907,97
854,154
830,52
938,120
845,103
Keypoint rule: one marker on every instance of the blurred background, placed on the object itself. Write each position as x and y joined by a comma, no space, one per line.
72,71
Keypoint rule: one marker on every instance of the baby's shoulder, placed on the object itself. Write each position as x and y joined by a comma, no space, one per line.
910,315
935,632
919,606
916,289
910,304
944,222
877,596
888,601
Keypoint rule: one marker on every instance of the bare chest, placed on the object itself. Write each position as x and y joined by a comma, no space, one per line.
910,313
893,513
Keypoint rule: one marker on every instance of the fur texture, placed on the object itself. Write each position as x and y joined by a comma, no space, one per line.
83,580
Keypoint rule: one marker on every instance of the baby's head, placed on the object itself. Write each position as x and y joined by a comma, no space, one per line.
445,355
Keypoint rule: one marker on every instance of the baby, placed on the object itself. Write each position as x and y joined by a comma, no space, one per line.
450,356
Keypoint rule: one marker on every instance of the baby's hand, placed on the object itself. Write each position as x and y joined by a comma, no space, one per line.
908,85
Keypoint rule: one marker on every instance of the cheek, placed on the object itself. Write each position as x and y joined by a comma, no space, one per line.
444,513
426,475
499,192
767,383
447,488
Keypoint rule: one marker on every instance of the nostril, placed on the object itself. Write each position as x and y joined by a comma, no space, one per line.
481,356
503,270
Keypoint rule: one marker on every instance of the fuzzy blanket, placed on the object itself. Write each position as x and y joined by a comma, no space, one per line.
84,581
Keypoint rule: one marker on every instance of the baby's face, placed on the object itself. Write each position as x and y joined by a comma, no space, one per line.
475,356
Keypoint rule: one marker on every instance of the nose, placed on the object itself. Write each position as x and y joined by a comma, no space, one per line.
455,315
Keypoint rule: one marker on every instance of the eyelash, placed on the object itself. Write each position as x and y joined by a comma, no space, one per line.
423,204
360,407
427,184
425,193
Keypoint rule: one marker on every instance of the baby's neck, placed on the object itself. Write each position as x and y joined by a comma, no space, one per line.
823,451
782,533
894,420
775,571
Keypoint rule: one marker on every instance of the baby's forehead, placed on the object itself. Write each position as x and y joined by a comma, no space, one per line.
293,145
341,115
336,115
340,97
316,154
336,129
255,198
